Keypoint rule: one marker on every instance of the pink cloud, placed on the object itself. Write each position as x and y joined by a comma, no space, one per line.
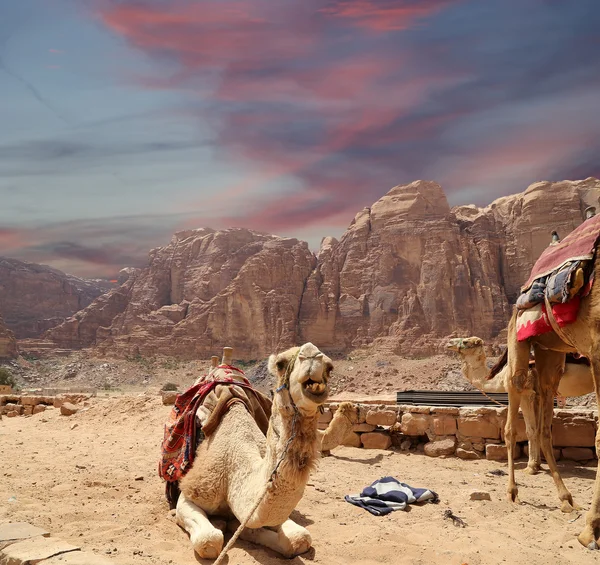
385,15
56,51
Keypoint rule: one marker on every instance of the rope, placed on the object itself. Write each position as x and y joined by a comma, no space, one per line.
271,482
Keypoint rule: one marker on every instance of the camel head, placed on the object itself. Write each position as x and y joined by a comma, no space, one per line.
465,344
304,371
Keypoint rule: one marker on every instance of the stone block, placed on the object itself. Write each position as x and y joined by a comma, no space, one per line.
573,432
34,550
479,426
12,407
27,410
68,409
444,426
39,408
381,417
30,400
462,453
415,424
495,452
577,453
439,447
12,414
20,531
352,440
362,428
376,440
169,397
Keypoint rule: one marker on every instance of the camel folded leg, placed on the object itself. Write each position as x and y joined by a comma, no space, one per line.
591,531
206,539
289,539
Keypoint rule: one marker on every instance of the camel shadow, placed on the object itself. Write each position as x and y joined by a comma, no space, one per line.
261,554
376,459
301,519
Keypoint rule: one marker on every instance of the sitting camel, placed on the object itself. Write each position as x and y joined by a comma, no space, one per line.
575,381
234,465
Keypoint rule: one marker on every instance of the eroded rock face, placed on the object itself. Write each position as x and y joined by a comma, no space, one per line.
8,343
409,272
34,298
204,290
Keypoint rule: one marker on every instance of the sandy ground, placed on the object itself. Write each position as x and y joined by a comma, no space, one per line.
77,477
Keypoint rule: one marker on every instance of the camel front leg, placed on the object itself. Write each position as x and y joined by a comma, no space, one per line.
591,531
289,539
531,415
206,540
340,426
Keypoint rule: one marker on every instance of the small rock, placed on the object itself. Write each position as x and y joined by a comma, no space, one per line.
73,426
68,409
480,495
139,478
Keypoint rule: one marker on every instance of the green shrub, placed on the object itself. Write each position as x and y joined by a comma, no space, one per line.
6,378
167,387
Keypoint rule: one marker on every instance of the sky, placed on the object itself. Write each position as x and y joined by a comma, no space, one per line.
124,121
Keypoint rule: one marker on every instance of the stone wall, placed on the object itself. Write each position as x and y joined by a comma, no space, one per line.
467,433
12,405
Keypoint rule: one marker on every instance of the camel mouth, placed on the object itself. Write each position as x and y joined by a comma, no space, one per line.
314,390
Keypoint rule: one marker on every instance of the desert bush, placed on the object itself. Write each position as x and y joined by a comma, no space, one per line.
167,387
6,378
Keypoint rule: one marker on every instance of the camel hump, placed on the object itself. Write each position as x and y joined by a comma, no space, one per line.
500,364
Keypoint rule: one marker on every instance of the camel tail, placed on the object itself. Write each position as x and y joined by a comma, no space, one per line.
500,364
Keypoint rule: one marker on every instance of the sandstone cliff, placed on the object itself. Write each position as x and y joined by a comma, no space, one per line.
35,297
408,272
8,343
206,288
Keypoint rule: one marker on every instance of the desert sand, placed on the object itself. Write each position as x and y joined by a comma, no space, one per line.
92,479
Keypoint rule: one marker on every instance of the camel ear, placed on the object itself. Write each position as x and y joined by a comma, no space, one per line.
478,341
278,364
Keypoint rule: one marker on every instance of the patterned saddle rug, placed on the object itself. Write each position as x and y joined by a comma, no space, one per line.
197,413
562,275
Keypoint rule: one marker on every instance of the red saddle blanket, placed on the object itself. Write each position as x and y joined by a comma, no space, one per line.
216,393
579,245
534,321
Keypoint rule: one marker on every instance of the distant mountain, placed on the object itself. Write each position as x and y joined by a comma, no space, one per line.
35,298
408,272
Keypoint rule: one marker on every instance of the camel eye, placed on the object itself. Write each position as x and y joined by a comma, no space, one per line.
281,365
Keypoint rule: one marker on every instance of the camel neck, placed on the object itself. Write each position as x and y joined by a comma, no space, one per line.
475,369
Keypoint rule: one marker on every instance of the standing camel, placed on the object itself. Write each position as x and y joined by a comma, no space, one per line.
575,381
583,337
234,465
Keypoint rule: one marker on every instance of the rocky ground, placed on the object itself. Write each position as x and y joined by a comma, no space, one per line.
358,374
91,479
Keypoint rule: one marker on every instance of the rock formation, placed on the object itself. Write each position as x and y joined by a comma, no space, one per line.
8,343
34,298
206,288
409,272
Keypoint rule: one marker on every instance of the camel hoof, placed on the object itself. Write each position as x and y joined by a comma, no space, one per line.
532,470
566,507
513,496
586,538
